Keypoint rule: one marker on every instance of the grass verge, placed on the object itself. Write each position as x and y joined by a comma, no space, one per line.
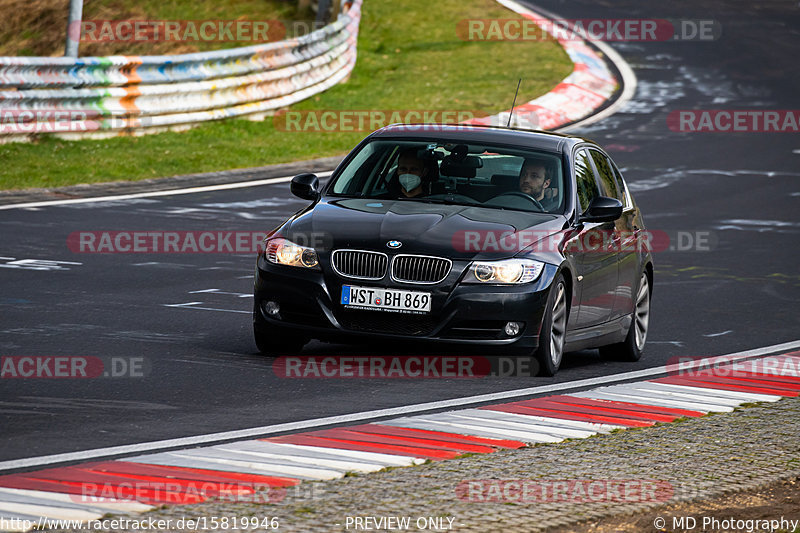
409,58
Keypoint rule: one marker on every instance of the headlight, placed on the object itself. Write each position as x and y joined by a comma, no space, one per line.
507,271
283,252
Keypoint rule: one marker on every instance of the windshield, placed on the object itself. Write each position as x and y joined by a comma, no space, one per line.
444,172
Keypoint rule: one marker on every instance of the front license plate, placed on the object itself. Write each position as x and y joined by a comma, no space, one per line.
386,299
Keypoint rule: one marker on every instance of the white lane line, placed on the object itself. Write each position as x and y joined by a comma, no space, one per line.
380,413
218,291
152,194
193,305
720,334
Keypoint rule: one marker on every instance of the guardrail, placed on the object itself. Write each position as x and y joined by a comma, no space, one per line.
132,95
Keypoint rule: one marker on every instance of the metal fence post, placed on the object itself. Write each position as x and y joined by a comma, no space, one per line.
74,28
322,11
337,10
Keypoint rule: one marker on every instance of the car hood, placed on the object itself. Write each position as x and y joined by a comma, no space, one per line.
454,231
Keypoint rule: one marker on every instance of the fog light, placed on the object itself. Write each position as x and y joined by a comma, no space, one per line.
272,309
512,329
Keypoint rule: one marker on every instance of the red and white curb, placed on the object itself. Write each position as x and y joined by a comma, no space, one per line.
579,95
250,468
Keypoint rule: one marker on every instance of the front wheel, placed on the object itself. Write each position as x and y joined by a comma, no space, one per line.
632,347
554,329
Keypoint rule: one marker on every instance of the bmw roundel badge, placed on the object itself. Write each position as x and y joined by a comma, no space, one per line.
394,244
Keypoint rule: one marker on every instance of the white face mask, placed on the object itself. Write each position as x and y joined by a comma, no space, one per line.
409,181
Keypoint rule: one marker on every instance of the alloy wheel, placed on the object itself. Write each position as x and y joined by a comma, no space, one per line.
642,313
559,326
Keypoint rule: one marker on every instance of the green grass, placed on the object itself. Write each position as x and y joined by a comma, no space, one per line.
409,58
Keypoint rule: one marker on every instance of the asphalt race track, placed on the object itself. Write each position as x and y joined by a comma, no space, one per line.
187,316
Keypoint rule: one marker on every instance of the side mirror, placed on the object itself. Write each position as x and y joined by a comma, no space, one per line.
603,209
306,186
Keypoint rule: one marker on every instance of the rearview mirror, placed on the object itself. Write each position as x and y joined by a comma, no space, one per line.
306,186
603,209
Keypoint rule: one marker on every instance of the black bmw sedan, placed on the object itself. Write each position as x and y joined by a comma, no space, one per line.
525,242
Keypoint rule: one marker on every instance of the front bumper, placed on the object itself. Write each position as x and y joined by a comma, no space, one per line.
461,313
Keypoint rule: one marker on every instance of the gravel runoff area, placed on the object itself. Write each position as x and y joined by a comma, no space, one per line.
638,473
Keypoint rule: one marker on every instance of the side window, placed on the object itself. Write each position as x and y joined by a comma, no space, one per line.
587,186
608,183
626,199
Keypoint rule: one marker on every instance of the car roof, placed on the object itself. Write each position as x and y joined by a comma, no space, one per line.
479,134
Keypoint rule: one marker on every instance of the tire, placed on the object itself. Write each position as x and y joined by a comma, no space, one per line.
632,347
271,340
554,329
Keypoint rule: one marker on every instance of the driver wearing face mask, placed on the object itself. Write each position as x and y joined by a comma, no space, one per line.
411,174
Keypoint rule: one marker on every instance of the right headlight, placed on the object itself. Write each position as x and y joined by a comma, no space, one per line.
507,271
285,252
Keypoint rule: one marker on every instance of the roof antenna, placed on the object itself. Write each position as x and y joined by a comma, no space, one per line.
513,104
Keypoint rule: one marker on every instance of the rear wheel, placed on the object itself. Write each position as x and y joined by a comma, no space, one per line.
272,340
632,347
554,329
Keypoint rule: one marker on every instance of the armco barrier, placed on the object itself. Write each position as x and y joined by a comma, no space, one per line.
132,95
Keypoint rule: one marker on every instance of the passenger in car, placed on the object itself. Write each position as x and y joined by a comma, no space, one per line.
534,179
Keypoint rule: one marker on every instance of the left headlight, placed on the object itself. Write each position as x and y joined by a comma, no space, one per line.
508,271
285,252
